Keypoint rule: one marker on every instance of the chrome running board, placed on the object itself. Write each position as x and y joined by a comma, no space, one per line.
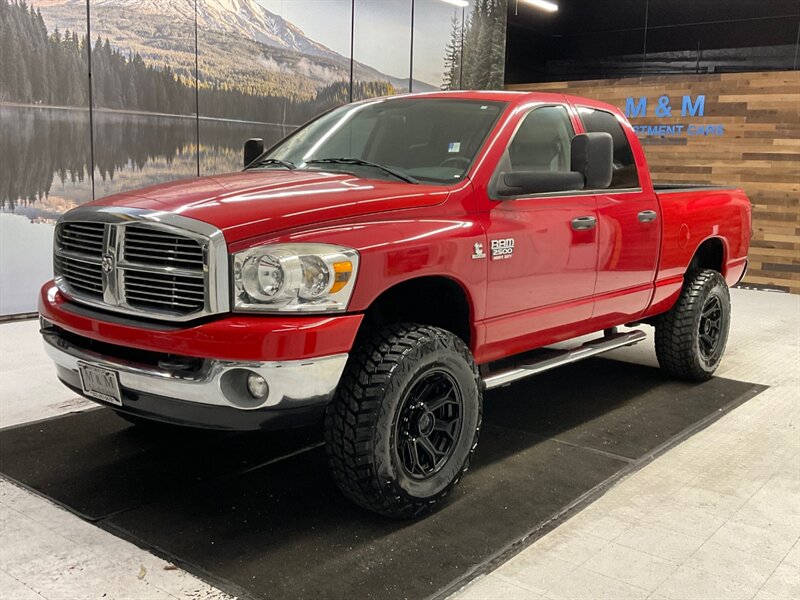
564,357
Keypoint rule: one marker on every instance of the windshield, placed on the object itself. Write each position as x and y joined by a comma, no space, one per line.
433,140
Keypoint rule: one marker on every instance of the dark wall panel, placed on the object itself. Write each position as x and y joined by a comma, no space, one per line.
588,39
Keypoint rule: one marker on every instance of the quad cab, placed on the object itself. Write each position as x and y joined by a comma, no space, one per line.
382,267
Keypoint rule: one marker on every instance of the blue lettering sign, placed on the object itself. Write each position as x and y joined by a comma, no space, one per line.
691,106
638,109
663,109
694,110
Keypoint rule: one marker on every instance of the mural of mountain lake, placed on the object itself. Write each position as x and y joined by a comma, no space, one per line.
45,171
47,157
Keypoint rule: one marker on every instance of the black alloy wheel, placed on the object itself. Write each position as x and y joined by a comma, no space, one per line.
429,424
710,331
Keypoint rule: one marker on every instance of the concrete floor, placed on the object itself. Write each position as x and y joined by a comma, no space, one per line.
717,517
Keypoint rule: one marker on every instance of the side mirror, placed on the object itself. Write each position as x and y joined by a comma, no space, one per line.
253,148
593,157
521,183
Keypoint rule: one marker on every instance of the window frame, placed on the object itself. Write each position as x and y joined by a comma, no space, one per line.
492,184
610,190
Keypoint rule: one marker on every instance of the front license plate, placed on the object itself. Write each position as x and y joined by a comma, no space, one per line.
100,383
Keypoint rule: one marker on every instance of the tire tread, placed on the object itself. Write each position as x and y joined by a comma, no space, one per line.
675,329
351,419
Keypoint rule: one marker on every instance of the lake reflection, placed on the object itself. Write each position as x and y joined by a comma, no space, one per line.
46,157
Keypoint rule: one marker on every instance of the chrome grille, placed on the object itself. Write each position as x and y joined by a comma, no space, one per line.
86,238
81,253
163,292
142,268
154,247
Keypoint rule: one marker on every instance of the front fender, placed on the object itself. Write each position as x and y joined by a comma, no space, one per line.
399,250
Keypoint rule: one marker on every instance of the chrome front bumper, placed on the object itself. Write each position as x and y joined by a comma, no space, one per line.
292,384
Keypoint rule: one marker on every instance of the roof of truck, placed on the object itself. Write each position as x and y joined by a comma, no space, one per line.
512,97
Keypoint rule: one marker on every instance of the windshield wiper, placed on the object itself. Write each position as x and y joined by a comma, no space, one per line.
362,163
273,161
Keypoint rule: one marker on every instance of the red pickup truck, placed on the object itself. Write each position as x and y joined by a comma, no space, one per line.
383,266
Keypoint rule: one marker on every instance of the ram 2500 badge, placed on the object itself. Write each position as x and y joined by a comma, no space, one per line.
383,266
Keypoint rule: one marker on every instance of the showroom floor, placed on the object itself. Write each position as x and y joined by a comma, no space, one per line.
716,517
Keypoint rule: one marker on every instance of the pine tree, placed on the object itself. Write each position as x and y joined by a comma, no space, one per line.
471,50
483,58
497,49
452,58
5,52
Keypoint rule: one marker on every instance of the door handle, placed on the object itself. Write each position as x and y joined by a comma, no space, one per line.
583,223
648,216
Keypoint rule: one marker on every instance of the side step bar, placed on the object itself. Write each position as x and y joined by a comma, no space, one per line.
564,357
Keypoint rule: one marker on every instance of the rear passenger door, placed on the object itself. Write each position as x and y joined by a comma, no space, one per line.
628,229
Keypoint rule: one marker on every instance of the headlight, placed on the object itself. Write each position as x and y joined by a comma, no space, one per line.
294,277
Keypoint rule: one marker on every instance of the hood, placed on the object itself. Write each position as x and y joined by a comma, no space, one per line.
258,202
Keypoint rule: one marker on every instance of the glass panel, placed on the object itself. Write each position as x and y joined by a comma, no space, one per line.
45,152
266,67
432,140
437,45
143,94
484,47
625,175
542,142
381,48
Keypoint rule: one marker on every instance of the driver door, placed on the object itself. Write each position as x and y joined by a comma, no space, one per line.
542,248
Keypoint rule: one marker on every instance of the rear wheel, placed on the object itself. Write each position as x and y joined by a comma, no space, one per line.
405,421
691,337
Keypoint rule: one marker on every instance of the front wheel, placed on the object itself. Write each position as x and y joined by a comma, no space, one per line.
405,421
691,337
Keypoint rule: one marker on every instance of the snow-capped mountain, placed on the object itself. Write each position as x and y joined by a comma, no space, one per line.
244,18
239,37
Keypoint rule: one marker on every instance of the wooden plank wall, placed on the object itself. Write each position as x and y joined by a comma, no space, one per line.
760,151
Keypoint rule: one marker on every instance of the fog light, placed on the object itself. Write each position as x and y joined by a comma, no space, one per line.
257,386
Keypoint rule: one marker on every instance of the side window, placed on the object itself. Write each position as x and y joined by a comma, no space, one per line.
541,143
625,175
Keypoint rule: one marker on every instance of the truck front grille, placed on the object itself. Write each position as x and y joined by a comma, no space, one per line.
164,292
81,255
86,238
164,270
138,268
161,248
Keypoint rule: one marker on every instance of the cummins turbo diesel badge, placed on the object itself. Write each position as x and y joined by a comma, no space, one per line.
502,249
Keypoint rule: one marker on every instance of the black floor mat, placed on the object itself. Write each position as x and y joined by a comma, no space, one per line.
210,503
96,464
